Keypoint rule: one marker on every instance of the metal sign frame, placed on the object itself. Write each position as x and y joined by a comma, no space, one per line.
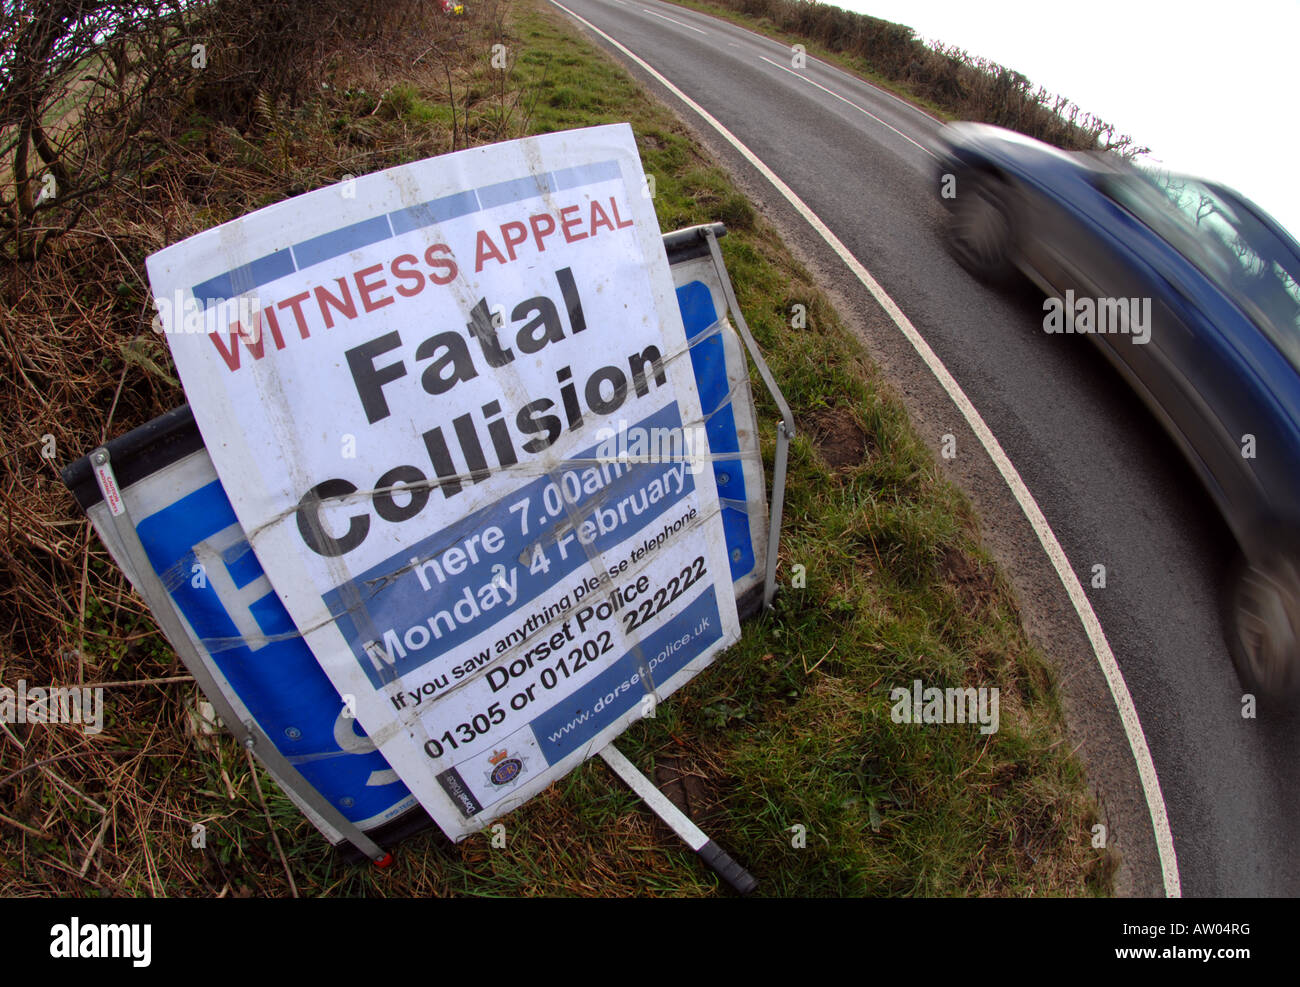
696,242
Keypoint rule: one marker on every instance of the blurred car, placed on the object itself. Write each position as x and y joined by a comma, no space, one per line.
1220,367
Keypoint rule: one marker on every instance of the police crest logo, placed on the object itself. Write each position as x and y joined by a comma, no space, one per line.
505,769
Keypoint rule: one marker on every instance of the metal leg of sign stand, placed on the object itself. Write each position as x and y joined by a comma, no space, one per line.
246,732
739,879
784,427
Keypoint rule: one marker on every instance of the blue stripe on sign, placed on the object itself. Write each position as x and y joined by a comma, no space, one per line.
617,500
433,211
574,720
709,361
514,190
266,269
344,241
601,171
234,283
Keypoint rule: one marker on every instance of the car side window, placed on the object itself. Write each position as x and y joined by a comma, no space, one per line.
1223,239
1145,201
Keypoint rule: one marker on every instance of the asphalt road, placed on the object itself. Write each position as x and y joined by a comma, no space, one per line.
1108,482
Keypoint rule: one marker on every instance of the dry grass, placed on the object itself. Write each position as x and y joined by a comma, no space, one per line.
82,364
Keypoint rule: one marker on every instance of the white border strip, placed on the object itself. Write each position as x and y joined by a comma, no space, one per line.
1046,537
673,20
812,59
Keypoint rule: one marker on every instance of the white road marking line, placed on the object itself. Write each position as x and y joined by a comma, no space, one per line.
673,20
1046,537
830,68
843,99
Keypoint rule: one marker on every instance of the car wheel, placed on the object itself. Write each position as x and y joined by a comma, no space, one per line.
980,233
1263,628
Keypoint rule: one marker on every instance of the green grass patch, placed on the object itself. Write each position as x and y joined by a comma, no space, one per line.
791,727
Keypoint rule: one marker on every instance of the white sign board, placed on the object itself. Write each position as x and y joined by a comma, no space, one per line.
430,394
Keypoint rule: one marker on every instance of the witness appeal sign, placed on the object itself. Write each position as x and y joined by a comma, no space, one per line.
450,406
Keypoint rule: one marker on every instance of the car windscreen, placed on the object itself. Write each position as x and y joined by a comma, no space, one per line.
1223,238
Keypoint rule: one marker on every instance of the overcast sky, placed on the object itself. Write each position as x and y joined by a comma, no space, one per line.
1211,87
